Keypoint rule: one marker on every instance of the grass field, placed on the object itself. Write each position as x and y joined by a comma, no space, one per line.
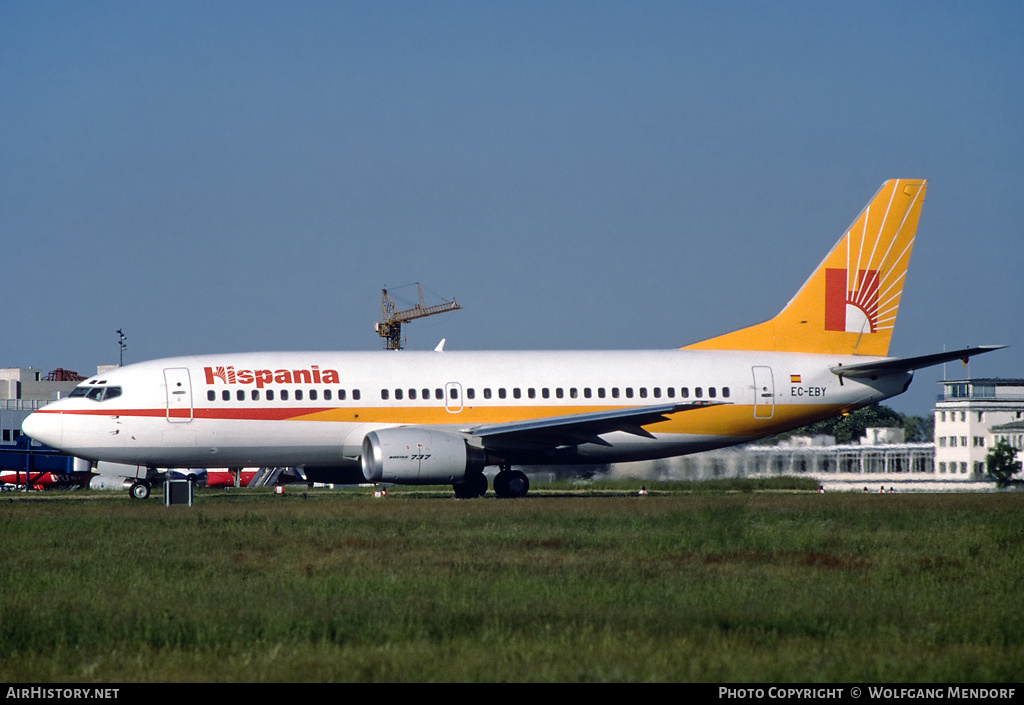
691,583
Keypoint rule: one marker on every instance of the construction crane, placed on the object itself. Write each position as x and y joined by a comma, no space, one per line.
390,325
62,375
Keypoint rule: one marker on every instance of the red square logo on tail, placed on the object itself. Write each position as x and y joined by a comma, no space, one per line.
853,311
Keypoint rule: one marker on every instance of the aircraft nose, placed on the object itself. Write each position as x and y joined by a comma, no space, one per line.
44,428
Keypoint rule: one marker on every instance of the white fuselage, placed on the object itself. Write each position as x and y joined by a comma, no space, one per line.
314,409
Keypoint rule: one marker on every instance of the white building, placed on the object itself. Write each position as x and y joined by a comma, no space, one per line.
25,389
968,416
1012,433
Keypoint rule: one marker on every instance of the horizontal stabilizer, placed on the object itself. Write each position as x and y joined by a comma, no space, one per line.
575,429
874,370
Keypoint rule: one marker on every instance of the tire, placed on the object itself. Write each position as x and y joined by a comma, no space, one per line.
473,486
139,490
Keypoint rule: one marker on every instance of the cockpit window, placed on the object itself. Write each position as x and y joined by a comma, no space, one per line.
96,393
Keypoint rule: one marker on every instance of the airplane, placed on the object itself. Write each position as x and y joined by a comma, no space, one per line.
109,476
35,480
441,417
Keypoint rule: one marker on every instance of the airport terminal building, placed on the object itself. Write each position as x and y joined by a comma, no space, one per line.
971,415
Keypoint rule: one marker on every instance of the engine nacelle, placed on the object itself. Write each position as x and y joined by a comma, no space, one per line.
110,482
418,456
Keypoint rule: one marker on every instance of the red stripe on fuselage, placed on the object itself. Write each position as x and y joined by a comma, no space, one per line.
265,414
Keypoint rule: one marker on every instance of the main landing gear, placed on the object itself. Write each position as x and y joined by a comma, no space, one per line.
511,483
508,483
475,485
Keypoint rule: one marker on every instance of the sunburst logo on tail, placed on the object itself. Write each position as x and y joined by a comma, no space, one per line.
864,300
852,309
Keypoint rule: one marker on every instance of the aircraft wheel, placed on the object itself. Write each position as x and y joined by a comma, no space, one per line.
139,490
511,483
473,486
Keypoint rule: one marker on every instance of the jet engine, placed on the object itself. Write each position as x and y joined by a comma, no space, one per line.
418,456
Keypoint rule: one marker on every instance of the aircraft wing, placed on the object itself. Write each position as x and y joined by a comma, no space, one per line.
575,429
876,369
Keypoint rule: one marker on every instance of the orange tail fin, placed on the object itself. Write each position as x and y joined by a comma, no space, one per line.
849,304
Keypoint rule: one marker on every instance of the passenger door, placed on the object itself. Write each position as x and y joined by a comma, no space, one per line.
179,394
764,392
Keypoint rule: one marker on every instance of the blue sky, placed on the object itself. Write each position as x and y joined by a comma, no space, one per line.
226,176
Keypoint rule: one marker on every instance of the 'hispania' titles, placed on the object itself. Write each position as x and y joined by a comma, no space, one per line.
229,375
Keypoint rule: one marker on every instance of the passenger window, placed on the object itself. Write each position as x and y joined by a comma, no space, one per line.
328,395
341,395
439,394
712,392
615,392
240,395
425,394
546,393
385,394
559,392
398,394
470,393
412,394
517,393
532,393
356,394
600,392
454,392
684,392
698,392
573,392
270,395
657,392
501,393
298,395
670,392
643,392
284,395
629,392
211,395
312,395
725,392
255,395
225,395
487,392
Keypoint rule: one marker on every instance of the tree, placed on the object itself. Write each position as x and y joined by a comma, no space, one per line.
849,428
1000,463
